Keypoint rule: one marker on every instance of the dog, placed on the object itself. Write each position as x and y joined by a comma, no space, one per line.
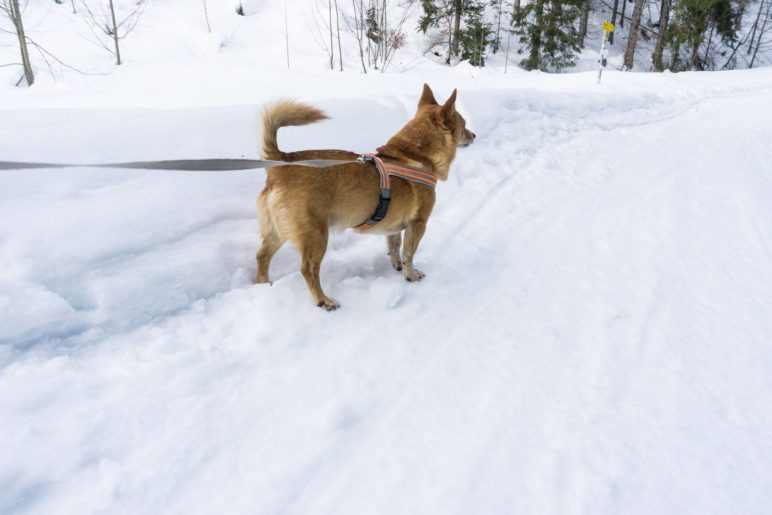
300,204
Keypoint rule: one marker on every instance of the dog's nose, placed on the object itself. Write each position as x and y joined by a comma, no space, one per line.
474,136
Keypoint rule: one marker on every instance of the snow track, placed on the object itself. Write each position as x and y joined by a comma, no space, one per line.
593,335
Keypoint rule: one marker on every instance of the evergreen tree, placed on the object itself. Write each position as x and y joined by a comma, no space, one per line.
695,22
498,12
547,29
445,15
476,35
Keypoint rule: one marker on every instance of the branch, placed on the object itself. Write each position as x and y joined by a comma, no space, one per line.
52,56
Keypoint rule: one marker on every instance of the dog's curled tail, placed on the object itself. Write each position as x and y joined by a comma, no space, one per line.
283,113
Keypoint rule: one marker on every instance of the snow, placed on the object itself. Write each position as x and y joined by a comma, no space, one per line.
594,334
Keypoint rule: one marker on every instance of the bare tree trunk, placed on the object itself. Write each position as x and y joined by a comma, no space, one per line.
695,54
515,7
614,12
622,19
738,21
372,48
762,30
456,25
337,26
583,22
332,47
497,43
206,17
29,76
706,64
632,40
534,58
286,34
450,44
755,28
737,46
659,47
359,30
115,35
384,40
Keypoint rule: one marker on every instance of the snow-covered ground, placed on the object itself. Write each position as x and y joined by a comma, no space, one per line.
594,334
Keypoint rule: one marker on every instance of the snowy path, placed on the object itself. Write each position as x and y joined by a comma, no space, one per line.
594,334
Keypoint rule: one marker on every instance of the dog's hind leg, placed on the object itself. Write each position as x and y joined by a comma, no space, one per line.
394,242
271,244
312,247
271,240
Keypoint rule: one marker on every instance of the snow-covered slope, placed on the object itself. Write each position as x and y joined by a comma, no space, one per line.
594,334
175,33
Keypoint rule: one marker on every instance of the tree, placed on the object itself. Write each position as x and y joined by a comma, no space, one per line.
103,22
698,22
547,30
206,16
738,22
515,10
762,26
446,16
337,29
358,27
324,27
498,7
379,35
476,35
11,9
614,11
659,46
583,21
632,39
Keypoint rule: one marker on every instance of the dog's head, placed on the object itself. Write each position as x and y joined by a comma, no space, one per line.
433,135
445,117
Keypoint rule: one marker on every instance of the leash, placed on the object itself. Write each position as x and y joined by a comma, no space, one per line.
185,165
385,170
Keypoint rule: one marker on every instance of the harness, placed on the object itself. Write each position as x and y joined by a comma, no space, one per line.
385,170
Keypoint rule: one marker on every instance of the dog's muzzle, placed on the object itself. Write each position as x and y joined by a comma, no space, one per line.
469,138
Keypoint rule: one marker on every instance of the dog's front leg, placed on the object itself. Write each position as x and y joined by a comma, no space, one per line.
413,234
394,242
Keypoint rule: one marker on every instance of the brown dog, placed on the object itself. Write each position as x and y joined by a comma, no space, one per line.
300,204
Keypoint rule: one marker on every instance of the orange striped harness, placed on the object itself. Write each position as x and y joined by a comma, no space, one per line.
409,173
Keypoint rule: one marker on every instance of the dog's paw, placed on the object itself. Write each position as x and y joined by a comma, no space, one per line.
396,264
414,276
328,304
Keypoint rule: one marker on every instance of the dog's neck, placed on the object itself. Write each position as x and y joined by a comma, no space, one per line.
416,146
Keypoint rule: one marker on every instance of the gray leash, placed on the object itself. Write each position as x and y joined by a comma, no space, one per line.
189,165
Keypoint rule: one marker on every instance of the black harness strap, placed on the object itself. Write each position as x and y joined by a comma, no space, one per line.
410,173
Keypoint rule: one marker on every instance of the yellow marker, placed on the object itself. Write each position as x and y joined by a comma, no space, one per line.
608,26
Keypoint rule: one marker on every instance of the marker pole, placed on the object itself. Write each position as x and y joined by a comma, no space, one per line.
608,28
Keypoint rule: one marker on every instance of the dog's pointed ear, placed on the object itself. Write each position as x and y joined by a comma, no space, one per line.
449,108
427,97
